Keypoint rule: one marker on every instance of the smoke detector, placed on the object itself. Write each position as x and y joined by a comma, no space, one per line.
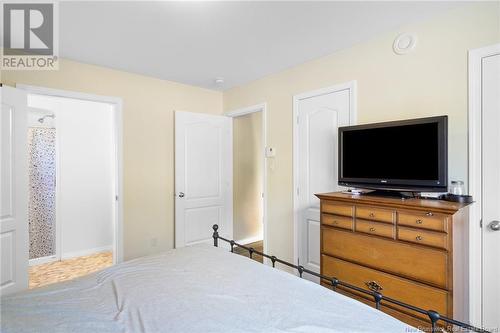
404,43
219,80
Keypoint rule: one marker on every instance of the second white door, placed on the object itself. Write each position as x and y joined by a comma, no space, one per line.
491,189
318,116
203,177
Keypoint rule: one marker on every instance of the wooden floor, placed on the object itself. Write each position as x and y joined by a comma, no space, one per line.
257,246
57,271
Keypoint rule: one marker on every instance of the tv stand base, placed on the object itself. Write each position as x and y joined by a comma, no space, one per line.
391,194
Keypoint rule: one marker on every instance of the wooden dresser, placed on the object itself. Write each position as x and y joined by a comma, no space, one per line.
413,250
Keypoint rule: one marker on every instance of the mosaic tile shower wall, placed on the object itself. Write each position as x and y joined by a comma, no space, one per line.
42,194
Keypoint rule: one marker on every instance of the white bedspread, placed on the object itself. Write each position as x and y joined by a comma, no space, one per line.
194,289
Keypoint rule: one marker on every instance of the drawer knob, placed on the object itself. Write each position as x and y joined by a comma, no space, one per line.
374,286
419,238
429,214
372,229
335,222
418,221
372,215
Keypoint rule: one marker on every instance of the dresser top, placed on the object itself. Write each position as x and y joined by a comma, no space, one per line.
420,204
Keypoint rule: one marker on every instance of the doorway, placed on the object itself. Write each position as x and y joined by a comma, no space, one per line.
484,186
316,118
74,179
249,178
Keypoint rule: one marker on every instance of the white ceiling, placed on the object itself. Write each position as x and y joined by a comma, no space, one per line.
195,42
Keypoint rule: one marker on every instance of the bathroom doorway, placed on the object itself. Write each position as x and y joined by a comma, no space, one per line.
74,184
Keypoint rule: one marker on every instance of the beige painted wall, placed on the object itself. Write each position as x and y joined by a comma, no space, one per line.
148,141
430,81
247,176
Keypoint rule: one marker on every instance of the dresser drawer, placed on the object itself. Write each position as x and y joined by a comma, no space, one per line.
416,262
422,322
425,220
376,228
404,290
337,221
423,237
375,214
337,208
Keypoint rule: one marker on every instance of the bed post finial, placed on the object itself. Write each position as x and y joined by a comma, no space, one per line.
215,235
434,316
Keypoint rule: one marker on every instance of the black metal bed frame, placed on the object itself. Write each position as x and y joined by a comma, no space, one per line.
434,316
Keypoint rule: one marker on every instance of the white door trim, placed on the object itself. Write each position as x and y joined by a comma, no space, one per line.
241,112
352,86
475,176
118,138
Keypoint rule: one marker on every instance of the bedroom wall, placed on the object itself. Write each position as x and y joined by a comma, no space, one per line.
247,176
148,141
430,81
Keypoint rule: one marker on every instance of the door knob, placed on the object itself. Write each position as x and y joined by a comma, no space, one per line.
494,225
181,194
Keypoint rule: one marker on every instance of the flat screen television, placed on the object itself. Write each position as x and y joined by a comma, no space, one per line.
408,156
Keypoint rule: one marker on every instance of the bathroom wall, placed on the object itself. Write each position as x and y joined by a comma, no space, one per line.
85,165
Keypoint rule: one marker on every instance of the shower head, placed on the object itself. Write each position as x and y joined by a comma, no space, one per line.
41,120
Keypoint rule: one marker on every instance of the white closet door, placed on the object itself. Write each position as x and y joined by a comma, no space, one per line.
203,177
14,191
491,191
318,120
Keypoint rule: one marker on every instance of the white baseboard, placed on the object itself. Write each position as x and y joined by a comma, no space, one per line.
249,240
41,260
87,252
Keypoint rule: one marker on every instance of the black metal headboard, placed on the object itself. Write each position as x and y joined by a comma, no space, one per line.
434,316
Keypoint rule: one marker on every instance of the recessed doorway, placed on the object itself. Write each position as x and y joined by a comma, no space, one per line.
74,209
249,178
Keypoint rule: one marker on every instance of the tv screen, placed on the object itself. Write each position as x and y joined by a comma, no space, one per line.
409,155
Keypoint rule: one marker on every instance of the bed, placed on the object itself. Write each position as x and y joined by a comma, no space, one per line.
194,289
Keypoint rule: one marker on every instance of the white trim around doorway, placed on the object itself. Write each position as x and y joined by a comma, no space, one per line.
118,138
241,112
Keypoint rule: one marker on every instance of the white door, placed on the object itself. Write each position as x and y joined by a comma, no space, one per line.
14,190
203,177
318,117
491,191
